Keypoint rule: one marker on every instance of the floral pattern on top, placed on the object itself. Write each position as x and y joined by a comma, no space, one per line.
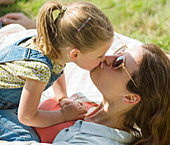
11,73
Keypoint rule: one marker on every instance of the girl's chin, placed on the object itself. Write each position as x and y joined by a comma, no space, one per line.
94,72
94,69
97,67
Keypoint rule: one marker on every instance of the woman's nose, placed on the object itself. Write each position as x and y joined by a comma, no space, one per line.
110,59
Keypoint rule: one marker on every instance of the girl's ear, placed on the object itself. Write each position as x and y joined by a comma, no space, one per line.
131,98
74,53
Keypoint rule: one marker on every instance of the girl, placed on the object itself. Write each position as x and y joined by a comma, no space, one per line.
135,108
80,33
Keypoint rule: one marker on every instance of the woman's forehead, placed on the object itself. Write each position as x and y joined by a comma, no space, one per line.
135,53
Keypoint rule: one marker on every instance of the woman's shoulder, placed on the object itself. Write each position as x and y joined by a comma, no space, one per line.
93,133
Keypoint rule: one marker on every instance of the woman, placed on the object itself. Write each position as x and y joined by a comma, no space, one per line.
137,95
135,83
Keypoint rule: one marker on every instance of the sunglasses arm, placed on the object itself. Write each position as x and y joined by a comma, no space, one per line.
129,76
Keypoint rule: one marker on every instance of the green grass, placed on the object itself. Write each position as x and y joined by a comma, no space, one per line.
145,20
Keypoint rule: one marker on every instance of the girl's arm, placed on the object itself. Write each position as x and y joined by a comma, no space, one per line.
29,114
59,87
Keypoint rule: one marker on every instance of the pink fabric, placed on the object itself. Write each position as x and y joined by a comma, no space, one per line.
48,134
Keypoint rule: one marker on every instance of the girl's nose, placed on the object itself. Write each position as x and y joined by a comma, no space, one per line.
110,59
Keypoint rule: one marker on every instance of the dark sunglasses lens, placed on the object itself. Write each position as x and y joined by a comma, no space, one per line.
120,50
118,62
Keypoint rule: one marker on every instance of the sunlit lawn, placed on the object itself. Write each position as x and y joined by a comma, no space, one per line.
144,20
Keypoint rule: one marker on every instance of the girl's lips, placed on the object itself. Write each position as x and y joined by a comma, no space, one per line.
101,65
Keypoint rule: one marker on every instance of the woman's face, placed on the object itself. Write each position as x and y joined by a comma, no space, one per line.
113,82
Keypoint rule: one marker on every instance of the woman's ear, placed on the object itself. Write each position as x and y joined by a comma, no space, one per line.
131,98
74,53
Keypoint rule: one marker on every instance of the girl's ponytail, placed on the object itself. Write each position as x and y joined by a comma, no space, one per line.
47,29
81,25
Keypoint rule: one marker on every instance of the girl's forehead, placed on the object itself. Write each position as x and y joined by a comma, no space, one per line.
103,45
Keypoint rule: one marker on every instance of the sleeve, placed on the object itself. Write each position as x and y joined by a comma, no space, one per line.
34,70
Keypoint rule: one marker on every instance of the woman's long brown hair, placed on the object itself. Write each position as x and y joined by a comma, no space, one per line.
152,113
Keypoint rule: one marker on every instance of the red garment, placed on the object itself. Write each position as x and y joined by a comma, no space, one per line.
48,134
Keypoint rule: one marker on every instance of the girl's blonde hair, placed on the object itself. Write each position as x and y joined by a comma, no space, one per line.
80,25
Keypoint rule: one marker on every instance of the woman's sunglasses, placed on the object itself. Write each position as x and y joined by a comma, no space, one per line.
119,62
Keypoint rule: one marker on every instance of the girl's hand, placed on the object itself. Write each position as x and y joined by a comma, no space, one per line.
66,101
73,111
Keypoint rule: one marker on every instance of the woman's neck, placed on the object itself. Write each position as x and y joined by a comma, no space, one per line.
107,115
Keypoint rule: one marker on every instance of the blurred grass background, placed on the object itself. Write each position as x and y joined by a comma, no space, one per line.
145,20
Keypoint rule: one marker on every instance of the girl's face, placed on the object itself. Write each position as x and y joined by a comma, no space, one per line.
112,82
92,59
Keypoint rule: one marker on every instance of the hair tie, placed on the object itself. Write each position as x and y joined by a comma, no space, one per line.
63,9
